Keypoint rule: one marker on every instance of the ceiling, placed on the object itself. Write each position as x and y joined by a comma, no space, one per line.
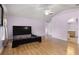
36,11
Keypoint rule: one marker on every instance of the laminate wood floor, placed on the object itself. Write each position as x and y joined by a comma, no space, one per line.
48,46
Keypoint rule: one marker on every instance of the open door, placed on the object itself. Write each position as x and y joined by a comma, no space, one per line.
1,28
72,36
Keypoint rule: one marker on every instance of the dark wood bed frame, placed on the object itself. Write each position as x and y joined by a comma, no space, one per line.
19,30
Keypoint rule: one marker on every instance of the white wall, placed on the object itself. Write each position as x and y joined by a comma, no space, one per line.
78,31
58,27
37,25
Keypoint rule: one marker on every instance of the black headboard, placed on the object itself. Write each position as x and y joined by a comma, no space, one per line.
21,30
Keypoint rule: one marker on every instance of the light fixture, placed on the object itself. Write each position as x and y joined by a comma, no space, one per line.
72,20
47,12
